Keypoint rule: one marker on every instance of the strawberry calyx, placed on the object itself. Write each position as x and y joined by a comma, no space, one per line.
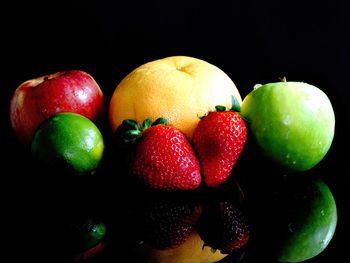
220,108
235,106
130,130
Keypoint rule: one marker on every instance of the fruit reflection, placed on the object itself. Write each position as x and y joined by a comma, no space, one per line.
86,233
294,218
172,227
190,251
168,223
223,226
309,224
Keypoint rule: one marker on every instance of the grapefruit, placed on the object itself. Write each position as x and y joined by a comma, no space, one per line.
178,88
192,251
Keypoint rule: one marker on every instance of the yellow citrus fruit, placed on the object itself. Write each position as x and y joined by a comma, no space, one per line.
191,251
178,88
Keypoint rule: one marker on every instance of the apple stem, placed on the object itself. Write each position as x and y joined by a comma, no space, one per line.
284,79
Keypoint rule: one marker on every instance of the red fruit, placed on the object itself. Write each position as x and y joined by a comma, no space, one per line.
90,252
219,140
37,99
223,226
163,159
168,223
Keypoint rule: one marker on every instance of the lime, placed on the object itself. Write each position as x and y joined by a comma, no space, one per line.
84,234
292,122
68,142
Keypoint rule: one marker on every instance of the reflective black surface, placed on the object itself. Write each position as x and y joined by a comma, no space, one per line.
252,41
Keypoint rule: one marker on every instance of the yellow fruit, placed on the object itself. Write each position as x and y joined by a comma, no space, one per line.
191,251
178,88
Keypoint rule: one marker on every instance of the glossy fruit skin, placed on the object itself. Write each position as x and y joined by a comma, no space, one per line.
68,142
309,224
178,88
85,234
168,222
223,226
67,91
90,252
87,237
164,159
219,140
292,122
192,250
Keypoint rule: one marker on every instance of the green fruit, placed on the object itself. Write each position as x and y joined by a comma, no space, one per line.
292,123
86,234
309,223
68,142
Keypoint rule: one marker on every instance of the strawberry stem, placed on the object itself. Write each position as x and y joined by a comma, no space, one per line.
200,117
132,124
235,104
162,121
146,124
220,108
133,133
129,131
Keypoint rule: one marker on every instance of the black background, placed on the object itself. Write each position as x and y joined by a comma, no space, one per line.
252,41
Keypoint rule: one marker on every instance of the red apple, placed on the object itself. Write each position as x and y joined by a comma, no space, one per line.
37,99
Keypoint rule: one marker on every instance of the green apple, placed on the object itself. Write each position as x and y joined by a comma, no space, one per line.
293,123
308,223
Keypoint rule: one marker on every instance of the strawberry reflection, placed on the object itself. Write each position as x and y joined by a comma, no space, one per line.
167,222
223,226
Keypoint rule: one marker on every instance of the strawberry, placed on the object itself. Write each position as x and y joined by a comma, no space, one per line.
167,223
223,226
161,156
218,140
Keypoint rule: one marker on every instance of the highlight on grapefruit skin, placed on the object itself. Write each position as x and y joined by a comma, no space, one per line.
178,88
